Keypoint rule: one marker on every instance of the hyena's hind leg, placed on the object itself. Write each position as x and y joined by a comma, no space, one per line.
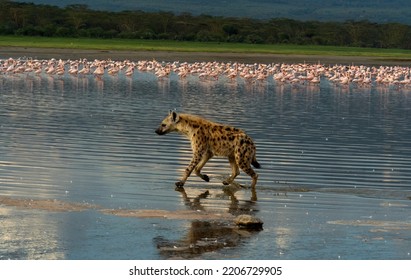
245,156
249,171
235,171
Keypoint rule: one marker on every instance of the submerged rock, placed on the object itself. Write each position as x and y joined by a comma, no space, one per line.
249,222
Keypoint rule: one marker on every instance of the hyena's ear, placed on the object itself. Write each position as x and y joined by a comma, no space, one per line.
175,116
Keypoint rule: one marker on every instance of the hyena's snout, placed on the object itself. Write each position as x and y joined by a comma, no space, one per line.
159,131
169,124
162,129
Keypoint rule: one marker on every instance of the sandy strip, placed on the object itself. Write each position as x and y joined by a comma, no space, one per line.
54,205
46,53
171,215
392,225
45,204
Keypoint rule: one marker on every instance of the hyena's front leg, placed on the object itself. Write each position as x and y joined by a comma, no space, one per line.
197,155
201,164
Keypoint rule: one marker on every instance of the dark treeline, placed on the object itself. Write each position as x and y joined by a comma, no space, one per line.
80,21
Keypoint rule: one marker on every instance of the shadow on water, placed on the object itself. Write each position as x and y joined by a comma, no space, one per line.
204,236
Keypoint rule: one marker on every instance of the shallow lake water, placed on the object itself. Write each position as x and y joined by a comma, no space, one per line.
84,176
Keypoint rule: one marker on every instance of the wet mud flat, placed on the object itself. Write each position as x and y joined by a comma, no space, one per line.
298,224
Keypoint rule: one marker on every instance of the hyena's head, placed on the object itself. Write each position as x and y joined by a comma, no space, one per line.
168,124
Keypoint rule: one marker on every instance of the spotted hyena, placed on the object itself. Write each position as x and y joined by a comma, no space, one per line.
210,139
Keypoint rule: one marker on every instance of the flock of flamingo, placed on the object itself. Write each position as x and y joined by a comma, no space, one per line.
300,73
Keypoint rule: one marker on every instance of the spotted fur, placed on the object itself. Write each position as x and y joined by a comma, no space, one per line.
210,139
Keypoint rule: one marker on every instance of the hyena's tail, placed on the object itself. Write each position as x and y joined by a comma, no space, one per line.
255,163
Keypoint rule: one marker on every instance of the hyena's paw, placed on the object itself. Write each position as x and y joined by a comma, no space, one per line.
179,184
232,183
205,178
228,181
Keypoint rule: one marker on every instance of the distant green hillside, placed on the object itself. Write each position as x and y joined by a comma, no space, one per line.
81,21
381,11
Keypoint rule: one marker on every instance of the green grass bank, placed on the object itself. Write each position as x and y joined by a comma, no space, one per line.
177,46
